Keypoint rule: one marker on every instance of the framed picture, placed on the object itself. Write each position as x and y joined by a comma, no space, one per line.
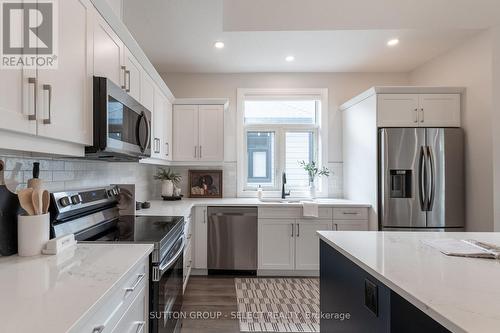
205,183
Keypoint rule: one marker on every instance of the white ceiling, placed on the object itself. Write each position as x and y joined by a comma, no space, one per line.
178,35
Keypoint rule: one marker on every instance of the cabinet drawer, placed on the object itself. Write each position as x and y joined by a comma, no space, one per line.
350,225
350,213
134,321
291,213
107,315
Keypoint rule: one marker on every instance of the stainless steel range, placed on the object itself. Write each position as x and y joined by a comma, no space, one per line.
93,216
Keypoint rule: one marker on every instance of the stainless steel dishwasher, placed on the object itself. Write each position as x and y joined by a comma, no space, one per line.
232,239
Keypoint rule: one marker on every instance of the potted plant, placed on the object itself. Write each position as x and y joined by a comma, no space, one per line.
168,179
314,172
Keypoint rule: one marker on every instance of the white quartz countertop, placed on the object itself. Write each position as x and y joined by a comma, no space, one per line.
462,294
50,294
183,207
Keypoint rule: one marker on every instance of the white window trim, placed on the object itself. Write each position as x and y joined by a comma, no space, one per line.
322,134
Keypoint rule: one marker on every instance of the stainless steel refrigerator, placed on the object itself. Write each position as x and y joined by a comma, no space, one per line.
421,179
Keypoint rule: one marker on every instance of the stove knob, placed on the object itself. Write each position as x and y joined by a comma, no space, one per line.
110,193
76,199
65,201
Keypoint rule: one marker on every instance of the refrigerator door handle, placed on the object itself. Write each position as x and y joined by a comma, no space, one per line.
422,175
430,157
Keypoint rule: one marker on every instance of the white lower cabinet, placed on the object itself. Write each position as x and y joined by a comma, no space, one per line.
200,237
123,309
307,243
286,244
133,320
276,248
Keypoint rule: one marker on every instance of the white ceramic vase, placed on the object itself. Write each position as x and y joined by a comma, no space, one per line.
312,188
167,188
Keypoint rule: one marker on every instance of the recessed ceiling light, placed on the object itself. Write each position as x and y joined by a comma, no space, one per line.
219,45
290,58
393,42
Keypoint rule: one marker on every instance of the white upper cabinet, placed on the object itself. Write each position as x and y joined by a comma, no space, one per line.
185,133
132,75
108,53
418,110
65,94
147,92
440,110
117,7
398,110
211,132
198,133
167,130
17,101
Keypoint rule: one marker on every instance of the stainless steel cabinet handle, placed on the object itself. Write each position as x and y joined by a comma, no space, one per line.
140,277
195,151
32,80
98,329
140,326
298,230
293,226
124,69
422,112
416,115
48,87
127,81
350,213
200,152
168,149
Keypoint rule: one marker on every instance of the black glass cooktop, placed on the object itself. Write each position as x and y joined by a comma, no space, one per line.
141,229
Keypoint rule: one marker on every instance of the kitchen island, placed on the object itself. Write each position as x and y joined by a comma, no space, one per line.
392,282
73,291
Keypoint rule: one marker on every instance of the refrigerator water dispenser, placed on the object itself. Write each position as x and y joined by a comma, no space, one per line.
401,183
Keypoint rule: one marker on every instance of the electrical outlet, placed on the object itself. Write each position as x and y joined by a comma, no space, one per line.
371,296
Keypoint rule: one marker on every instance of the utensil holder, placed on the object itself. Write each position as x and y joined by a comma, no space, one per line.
32,234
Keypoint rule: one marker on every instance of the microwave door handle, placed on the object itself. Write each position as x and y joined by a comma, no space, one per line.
148,132
421,179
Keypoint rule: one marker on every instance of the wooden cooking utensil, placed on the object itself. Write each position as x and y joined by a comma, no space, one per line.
26,200
37,201
45,202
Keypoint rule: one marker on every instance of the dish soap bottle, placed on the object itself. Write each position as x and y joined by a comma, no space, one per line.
259,192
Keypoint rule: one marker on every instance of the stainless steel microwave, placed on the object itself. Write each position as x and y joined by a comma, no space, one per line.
122,125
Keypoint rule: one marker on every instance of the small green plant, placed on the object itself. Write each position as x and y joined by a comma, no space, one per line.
164,174
313,170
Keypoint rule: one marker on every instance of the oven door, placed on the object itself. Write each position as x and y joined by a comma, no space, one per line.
166,293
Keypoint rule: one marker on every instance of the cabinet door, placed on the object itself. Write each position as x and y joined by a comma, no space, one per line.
167,130
276,250
158,119
17,100
147,91
440,110
307,243
351,225
397,110
200,237
132,76
211,132
108,52
65,94
185,133
135,318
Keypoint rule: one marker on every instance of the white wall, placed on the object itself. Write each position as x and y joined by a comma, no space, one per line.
470,65
496,124
341,87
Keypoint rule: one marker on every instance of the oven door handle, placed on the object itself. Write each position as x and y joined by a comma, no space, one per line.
171,262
